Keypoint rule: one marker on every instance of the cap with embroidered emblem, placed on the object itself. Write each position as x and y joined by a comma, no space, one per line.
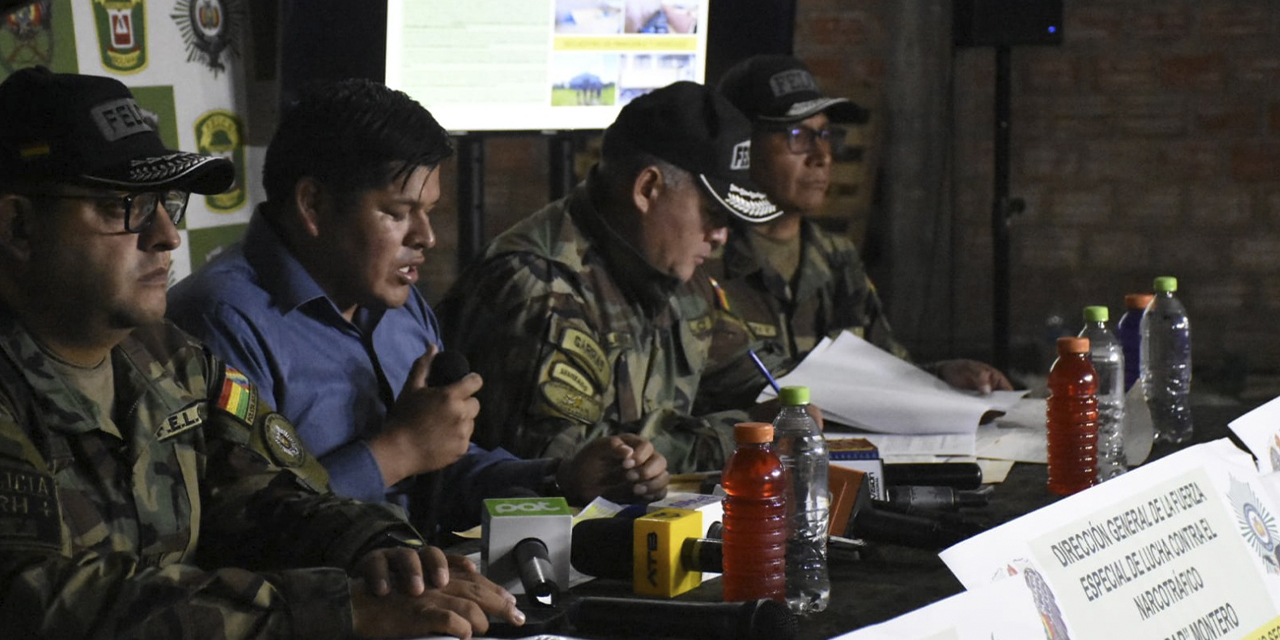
778,88
696,129
89,130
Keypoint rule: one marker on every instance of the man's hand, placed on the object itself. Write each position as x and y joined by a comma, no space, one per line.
622,468
428,428
460,608
409,571
971,375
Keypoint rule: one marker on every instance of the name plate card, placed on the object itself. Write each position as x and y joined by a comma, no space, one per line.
1183,548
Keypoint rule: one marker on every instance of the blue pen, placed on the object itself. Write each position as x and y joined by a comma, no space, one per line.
765,370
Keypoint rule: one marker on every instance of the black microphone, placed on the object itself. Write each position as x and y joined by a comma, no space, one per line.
754,620
447,368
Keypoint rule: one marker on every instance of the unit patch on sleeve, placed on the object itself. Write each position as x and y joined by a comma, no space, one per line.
587,352
567,401
572,376
283,443
28,509
238,396
762,330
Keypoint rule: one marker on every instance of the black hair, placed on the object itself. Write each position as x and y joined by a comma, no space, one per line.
351,136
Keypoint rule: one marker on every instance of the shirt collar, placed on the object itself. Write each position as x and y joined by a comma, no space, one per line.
279,272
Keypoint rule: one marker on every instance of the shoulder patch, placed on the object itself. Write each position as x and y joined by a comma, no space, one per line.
587,352
701,325
190,417
572,376
29,514
762,330
283,442
238,396
570,403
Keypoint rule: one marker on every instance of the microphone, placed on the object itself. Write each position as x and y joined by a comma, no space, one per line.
854,514
525,546
661,553
754,620
447,368
957,475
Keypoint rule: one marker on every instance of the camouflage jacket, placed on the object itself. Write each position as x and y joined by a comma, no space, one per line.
578,337
754,310
126,526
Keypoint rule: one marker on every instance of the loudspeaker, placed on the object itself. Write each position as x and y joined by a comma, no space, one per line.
981,23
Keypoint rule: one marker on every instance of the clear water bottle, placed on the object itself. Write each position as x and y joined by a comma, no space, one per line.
1166,363
1129,332
803,451
755,518
1071,419
1108,363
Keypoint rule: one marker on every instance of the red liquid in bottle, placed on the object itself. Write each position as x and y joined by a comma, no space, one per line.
755,518
1072,417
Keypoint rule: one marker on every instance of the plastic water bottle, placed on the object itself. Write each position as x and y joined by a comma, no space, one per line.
755,518
1166,363
803,450
1072,419
1129,332
1108,362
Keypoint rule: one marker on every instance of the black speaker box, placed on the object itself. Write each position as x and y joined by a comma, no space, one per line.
984,23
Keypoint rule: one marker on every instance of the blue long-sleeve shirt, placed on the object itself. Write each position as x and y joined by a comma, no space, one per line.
258,308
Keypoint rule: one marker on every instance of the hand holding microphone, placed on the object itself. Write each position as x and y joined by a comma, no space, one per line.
430,425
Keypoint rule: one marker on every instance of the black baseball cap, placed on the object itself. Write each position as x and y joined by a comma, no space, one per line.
778,88
694,128
88,130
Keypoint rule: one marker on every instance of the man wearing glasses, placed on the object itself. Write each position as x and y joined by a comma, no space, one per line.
783,285
146,490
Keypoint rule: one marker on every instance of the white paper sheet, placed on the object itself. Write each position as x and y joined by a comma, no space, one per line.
856,383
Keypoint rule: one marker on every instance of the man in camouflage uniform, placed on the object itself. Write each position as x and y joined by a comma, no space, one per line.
145,489
782,286
580,317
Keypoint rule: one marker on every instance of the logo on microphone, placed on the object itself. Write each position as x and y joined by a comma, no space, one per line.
527,506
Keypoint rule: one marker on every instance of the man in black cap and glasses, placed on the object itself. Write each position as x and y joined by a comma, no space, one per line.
783,285
145,489
580,316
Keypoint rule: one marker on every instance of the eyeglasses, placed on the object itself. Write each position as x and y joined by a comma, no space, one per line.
801,140
137,209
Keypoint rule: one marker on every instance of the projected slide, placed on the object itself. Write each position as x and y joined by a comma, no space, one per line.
540,65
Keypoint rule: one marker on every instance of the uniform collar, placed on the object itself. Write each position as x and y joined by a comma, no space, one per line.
638,279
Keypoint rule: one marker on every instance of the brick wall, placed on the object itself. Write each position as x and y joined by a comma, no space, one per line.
1147,144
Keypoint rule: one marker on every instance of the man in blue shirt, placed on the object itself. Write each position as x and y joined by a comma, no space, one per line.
317,305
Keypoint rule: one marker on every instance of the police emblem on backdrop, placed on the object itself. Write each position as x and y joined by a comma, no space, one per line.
1257,525
219,133
122,34
209,30
27,37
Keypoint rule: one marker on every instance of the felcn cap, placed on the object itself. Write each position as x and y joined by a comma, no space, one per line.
88,130
778,88
696,129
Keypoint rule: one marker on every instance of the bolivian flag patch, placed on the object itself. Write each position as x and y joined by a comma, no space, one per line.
238,397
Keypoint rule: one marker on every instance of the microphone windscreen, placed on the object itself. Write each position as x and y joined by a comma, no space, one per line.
447,368
603,547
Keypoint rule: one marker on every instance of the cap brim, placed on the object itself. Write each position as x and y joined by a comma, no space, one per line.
178,170
837,109
746,204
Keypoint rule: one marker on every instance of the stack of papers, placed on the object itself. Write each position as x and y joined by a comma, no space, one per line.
904,410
